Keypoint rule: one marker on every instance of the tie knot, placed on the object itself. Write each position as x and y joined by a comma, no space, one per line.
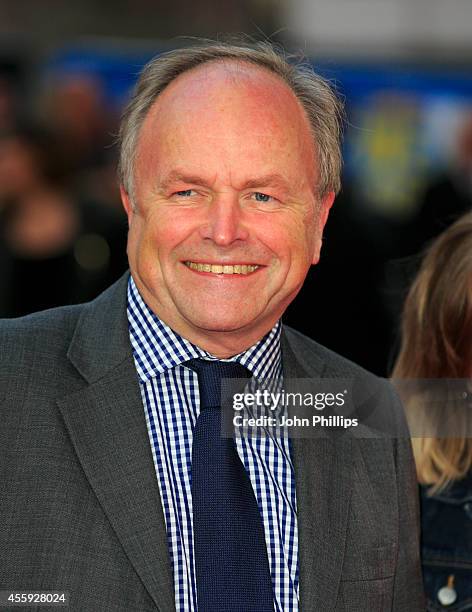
210,375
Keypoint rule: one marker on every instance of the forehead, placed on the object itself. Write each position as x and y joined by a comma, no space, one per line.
226,107
209,81
225,87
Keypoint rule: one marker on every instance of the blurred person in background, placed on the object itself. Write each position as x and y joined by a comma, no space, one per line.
55,248
437,344
74,108
448,195
7,103
345,290
13,87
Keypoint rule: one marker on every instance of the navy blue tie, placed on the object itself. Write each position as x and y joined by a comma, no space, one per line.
231,563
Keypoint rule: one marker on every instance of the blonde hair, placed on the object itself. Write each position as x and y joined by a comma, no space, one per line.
436,343
318,98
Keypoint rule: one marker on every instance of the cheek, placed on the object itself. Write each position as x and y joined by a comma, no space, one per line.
156,236
167,232
309,233
292,238
142,241
134,232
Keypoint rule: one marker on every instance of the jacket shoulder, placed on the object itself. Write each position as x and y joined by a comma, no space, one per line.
45,325
375,400
308,350
35,343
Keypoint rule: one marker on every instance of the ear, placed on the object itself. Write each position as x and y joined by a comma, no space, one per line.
323,213
127,204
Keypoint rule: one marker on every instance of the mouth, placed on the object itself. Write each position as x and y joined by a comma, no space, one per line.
242,269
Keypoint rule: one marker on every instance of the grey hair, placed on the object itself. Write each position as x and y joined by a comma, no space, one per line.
322,105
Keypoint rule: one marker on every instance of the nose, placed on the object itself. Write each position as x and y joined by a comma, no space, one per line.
224,224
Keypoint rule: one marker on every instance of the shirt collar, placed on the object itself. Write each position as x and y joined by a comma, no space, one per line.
157,347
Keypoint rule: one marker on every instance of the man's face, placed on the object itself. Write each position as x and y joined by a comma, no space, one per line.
226,221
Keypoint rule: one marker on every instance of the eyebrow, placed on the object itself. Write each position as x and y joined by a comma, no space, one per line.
180,177
266,180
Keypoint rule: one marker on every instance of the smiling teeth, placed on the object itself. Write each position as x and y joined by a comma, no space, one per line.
221,269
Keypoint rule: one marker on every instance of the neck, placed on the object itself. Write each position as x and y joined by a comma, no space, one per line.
221,344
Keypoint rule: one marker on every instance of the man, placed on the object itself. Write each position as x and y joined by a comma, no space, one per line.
119,487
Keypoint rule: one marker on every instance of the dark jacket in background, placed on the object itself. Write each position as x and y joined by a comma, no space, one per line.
446,522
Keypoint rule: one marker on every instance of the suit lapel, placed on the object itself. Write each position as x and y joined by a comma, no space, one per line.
107,427
323,484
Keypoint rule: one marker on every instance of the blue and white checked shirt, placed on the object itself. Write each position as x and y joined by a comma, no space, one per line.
171,403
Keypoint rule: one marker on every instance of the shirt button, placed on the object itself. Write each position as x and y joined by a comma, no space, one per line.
447,594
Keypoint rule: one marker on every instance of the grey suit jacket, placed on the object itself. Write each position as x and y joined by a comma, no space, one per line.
80,504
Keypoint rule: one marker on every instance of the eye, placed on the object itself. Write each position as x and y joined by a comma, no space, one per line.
185,193
262,197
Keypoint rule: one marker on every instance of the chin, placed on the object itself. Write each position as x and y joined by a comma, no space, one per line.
220,323
219,326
